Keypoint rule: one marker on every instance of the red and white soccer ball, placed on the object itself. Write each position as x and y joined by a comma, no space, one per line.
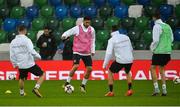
69,89
11,77
176,80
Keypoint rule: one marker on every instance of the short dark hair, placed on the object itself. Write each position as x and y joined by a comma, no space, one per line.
21,28
157,14
115,28
87,18
46,27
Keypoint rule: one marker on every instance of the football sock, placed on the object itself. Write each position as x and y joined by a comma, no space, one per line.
84,81
129,86
37,86
111,88
164,88
21,91
69,79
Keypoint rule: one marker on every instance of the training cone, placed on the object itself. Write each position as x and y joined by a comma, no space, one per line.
8,92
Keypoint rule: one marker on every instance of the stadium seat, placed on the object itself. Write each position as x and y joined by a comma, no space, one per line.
105,12
177,12
40,3
176,45
84,3
99,46
102,35
75,11
24,22
26,3
68,23
97,23
69,2
123,31
173,2
177,34
11,35
150,10
135,11
53,23
3,37
114,3
128,2
158,2
9,24
134,35
1,22
12,3
90,11
46,11
4,12
111,21
61,12
99,3
32,35
2,2
146,36
17,12
32,12
128,23
57,34
173,22
121,11
38,24
56,2
166,11
140,45
144,2
142,23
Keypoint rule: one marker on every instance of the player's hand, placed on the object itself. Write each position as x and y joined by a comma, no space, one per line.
44,45
63,37
92,54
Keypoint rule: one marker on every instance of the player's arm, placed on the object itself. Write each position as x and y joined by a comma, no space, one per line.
39,42
156,35
13,58
93,41
31,49
109,52
68,33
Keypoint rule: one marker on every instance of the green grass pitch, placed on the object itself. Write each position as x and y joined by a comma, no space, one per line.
54,95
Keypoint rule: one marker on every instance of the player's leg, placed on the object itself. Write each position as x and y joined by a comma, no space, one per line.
36,70
129,79
163,78
88,63
22,77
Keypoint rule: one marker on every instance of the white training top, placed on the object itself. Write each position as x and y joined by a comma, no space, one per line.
120,45
22,52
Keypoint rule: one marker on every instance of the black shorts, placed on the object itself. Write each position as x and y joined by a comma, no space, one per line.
86,59
116,67
36,70
160,59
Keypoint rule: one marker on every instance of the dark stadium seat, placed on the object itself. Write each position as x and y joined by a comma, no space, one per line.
105,12
129,2
75,11
52,23
47,11
32,35
2,2
69,2
68,23
99,3
134,35
177,11
146,36
84,3
114,3
4,12
177,34
11,35
57,34
98,23
111,21
128,23
150,10
121,11
32,12
142,23
90,11
24,22
17,12
176,45
173,22
3,37
12,3
144,2
140,45
38,24
40,3
9,24
158,2
61,12
166,11
56,2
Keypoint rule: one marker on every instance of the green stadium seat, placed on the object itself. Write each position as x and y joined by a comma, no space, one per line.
176,45
4,12
111,21
84,3
38,24
57,34
1,22
146,36
69,2
53,23
158,2
128,23
11,35
150,10
99,46
3,37
134,35
140,45
177,11
32,35
12,3
128,2
142,23
102,37
46,11
2,2
98,23
68,23
105,12
41,3
17,12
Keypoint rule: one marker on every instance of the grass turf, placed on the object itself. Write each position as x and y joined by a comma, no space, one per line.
54,94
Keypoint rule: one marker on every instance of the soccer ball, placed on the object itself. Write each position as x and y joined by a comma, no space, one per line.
69,89
11,76
176,80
